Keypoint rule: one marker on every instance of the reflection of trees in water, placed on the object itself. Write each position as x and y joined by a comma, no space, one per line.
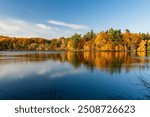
75,60
109,61
116,63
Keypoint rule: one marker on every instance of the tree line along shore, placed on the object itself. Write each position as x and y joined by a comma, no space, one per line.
110,40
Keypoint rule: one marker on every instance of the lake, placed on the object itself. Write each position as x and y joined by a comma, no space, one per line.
64,75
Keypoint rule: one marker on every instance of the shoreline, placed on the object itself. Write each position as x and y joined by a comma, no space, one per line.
71,51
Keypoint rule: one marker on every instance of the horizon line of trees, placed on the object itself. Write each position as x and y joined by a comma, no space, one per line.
109,40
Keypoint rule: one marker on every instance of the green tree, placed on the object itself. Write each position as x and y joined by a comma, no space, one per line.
90,35
115,36
76,38
127,30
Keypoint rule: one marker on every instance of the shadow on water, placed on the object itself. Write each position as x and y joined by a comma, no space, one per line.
50,94
145,83
9,95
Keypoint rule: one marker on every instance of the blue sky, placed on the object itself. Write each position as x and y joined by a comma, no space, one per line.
56,18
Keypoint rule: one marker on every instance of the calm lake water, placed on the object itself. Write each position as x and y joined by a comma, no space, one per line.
74,75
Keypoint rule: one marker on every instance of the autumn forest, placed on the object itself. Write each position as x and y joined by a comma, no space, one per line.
110,40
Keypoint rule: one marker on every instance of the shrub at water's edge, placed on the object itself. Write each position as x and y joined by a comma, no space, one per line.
110,40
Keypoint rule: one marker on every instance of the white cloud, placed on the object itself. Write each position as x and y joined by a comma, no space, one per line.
48,68
73,26
45,27
20,28
11,25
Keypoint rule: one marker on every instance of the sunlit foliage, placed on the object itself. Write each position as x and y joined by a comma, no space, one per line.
110,40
